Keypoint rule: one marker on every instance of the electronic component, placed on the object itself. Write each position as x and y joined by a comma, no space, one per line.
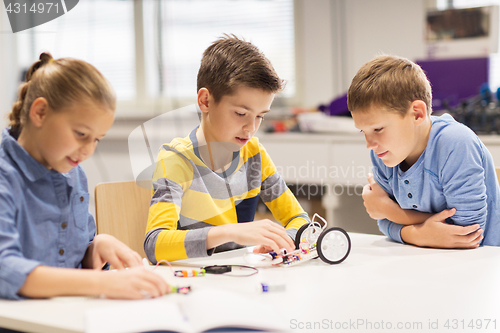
313,239
215,269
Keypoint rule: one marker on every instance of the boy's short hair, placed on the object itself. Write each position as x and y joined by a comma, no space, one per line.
231,62
391,82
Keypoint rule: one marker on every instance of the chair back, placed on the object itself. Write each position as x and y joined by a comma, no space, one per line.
122,211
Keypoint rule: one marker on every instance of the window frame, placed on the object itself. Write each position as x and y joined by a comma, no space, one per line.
151,107
144,107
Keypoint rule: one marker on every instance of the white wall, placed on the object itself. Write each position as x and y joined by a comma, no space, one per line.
8,75
382,26
314,51
335,37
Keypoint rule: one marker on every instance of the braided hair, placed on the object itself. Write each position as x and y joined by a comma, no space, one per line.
61,82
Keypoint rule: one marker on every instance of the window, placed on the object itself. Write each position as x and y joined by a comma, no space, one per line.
99,32
177,32
172,34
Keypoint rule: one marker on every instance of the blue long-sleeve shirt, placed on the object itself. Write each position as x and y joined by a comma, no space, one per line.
455,171
44,216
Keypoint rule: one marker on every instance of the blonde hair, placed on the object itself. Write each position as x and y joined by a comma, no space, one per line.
61,82
391,82
231,62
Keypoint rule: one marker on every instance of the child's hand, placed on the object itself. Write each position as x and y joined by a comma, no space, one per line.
133,283
264,233
436,233
106,248
377,202
262,249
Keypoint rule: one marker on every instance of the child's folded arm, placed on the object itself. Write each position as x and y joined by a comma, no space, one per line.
379,205
436,233
463,179
406,216
391,229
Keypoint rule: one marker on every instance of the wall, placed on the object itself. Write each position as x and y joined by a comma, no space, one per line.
315,52
8,77
382,26
335,37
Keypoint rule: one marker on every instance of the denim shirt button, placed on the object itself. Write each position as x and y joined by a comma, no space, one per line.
409,195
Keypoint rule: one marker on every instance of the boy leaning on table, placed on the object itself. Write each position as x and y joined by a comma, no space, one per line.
434,182
206,186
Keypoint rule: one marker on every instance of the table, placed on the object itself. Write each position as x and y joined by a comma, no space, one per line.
381,284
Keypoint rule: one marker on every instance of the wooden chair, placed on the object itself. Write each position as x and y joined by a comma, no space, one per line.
121,210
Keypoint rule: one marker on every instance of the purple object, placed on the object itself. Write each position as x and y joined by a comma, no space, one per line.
454,80
338,107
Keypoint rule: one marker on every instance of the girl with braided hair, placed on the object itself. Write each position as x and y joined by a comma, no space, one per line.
46,231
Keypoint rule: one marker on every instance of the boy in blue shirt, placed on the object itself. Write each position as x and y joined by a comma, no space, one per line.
427,170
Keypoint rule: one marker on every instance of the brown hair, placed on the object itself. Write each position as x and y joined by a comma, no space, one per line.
61,82
389,81
230,62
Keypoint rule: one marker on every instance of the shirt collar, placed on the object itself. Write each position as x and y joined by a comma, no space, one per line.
234,163
31,168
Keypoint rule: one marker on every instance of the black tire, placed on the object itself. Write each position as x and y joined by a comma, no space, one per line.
299,234
344,245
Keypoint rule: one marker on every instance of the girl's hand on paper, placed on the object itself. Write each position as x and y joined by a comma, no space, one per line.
106,248
133,283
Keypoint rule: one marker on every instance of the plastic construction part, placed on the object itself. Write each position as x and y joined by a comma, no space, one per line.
272,287
334,245
217,269
180,290
314,239
192,273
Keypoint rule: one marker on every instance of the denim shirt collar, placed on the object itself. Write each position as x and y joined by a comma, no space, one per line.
31,168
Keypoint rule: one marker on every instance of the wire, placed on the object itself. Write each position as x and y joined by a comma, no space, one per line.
225,269
214,269
166,262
